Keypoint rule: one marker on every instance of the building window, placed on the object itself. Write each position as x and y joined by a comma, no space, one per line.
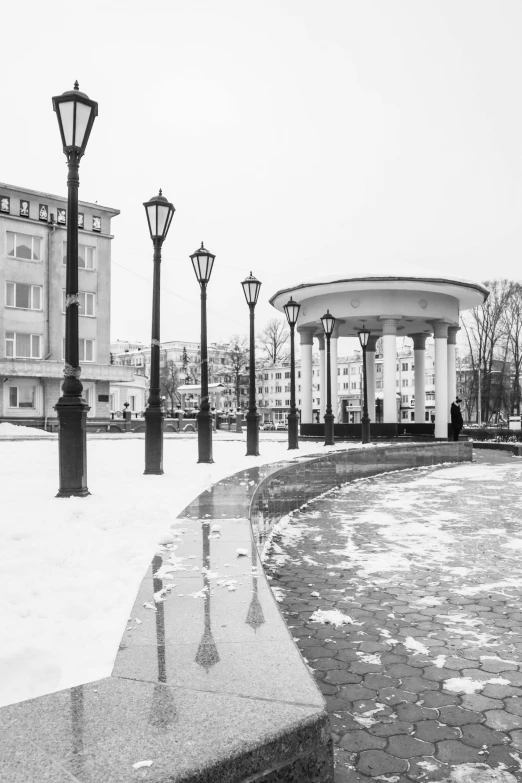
278,376
86,256
404,381
299,373
379,384
430,396
338,371
287,402
260,390
22,396
28,297
379,368
22,346
265,376
279,403
81,220
405,414
354,385
405,366
23,246
278,389
346,385
86,305
85,350
405,398
287,388
345,370
267,389
287,375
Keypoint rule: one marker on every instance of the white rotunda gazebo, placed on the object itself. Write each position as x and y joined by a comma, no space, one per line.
390,307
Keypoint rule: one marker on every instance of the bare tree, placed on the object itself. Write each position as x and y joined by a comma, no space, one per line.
512,323
485,328
238,359
169,382
273,340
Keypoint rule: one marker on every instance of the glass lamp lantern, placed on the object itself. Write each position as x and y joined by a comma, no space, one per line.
159,216
251,288
291,309
364,336
202,261
76,114
328,322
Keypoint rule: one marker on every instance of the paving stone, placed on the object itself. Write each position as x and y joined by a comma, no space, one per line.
396,696
436,698
413,713
433,731
406,747
494,665
455,752
389,729
401,670
437,674
456,716
502,720
417,684
355,692
341,677
503,755
475,701
457,663
355,741
478,736
379,681
515,678
513,705
377,762
495,691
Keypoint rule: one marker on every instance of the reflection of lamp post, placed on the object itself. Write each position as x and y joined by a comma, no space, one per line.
364,336
163,708
207,654
203,261
255,616
159,213
251,288
328,322
291,309
76,115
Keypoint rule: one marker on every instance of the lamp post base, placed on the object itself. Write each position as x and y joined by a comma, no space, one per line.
293,431
252,420
365,428
204,436
72,447
153,441
329,438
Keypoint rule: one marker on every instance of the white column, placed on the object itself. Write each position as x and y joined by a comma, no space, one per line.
334,372
370,374
322,376
307,340
389,368
452,366
441,379
419,352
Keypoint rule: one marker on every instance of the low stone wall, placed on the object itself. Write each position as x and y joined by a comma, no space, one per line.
514,448
208,684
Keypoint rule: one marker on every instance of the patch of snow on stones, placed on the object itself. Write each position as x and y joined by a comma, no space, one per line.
332,617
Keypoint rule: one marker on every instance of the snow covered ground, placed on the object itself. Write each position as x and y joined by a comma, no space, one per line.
70,568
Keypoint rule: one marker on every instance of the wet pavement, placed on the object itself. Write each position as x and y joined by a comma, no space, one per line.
403,594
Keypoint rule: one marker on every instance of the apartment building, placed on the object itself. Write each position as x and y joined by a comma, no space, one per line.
33,246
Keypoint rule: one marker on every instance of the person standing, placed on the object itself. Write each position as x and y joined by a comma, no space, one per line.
456,418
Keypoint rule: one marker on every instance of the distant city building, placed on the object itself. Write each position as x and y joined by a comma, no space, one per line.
33,245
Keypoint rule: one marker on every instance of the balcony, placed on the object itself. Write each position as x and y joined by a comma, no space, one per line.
40,368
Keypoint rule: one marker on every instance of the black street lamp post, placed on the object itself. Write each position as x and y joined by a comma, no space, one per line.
328,322
203,261
251,288
76,114
291,309
159,213
364,336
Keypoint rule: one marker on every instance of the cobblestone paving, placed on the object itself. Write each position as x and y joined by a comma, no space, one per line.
419,574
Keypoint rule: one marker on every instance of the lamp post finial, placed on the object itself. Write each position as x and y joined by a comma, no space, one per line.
76,85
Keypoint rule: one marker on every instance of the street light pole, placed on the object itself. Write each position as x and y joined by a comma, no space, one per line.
76,114
203,261
159,213
291,309
328,322
251,288
364,336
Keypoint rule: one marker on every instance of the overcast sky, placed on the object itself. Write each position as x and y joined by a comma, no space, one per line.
295,138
